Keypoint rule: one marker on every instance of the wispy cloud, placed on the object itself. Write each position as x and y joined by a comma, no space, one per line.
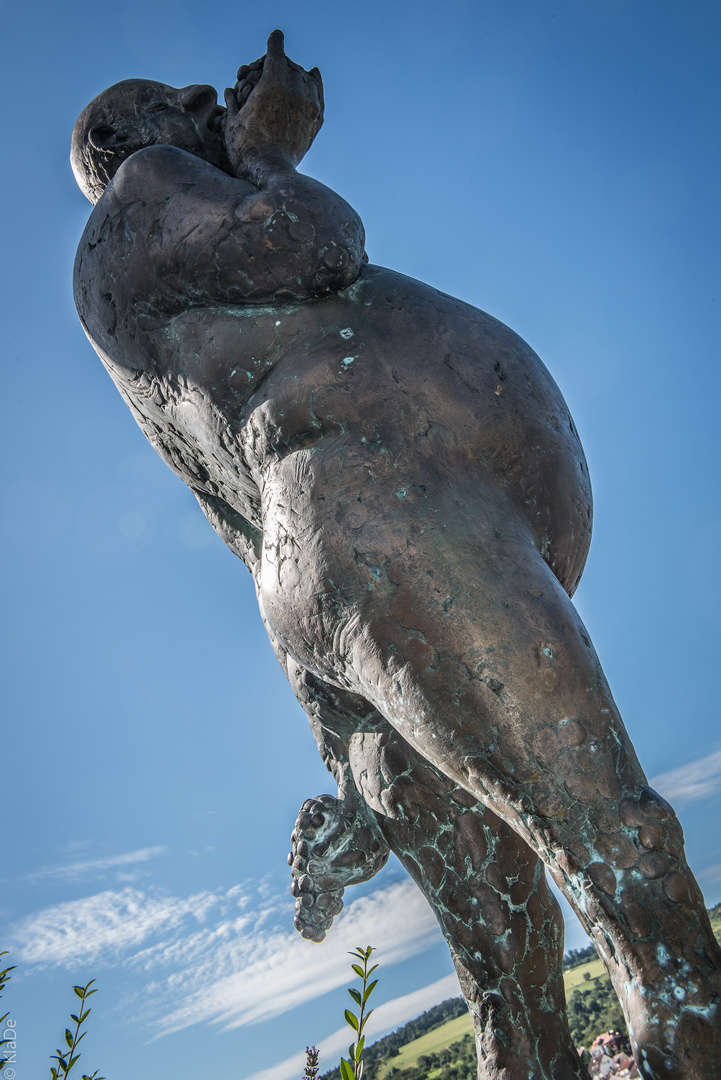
103,927
95,866
697,780
221,957
385,1018
238,980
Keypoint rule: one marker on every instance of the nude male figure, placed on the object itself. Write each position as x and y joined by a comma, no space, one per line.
402,477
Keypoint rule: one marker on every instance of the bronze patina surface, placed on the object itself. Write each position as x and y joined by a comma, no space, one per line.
402,477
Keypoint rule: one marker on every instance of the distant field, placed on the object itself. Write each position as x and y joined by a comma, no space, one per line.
447,1034
454,1030
576,976
438,1039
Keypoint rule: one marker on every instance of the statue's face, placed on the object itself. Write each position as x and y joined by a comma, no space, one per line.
138,113
144,113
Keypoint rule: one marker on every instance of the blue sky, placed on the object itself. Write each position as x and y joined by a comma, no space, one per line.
554,162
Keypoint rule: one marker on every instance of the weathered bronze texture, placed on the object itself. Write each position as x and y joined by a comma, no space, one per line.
403,479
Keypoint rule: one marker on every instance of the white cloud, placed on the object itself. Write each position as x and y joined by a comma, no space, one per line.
385,1018
697,780
215,957
101,927
243,980
91,866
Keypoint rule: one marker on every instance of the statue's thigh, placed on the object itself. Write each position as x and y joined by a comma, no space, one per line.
445,616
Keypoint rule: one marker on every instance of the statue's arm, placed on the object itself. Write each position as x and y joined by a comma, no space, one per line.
266,233
210,237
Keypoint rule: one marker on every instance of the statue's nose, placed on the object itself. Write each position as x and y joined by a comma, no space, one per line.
197,96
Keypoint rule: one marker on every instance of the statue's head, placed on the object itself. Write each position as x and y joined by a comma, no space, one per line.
138,113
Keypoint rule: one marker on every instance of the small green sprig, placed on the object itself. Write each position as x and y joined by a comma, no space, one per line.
4,979
351,1068
66,1059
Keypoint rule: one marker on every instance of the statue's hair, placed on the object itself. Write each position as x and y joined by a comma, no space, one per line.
94,164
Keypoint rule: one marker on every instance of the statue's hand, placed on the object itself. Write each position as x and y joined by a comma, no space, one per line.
335,844
274,112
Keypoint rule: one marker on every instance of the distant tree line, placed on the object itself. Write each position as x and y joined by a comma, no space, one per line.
391,1044
455,1062
592,1009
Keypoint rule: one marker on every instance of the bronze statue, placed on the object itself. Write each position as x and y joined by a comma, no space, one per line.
402,477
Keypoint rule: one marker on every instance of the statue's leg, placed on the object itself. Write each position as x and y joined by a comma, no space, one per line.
466,861
444,615
489,893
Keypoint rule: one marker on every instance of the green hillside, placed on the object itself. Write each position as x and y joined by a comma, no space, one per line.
715,916
432,1042
439,1043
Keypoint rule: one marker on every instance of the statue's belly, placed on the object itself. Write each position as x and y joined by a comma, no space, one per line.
391,371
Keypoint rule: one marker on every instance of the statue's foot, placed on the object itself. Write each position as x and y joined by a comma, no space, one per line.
677,1026
684,1047
335,844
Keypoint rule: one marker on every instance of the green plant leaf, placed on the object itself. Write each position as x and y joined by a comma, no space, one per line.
79,991
351,1019
68,1038
359,1047
346,1070
369,991
366,1018
355,994
372,970
358,970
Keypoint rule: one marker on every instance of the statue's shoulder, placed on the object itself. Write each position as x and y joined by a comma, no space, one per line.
121,206
116,242
156,172
145,182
